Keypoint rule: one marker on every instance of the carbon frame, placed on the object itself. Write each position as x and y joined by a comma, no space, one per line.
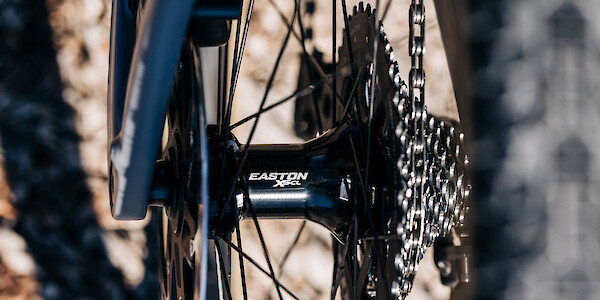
141,72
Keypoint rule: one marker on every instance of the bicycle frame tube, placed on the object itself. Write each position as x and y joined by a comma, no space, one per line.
121,48
139,94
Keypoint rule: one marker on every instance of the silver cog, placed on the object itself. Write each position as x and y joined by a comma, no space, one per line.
429,204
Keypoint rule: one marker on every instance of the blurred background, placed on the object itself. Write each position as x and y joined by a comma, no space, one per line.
532,114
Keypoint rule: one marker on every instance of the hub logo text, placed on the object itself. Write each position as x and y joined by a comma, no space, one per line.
282,179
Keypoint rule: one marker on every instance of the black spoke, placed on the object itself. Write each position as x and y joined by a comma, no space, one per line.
237,59
318,114
347,37
253,262
372,94
333,51
237,62
242,271
289,250
297,94
222,269
233,68
374,229
366,265
305,91
354,244
262,241
337,273
262,104
357,166
380,255
351,97
315,103
311,59
351,57
222,85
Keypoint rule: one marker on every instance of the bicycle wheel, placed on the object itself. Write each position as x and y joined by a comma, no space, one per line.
401,184
383,176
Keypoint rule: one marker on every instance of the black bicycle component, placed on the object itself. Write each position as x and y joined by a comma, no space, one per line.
221,9
370,263
216,36
134,144
292,181
301,181
121,49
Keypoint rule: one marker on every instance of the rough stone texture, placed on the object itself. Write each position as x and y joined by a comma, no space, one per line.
537,165
42,164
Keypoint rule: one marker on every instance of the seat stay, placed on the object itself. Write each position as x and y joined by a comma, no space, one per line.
134,144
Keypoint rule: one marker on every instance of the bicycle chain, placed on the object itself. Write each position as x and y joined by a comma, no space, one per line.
433,200
432,165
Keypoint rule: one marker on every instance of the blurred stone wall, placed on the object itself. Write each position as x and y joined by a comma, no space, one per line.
537,161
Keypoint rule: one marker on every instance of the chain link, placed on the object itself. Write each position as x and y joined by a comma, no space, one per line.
431,189
432,167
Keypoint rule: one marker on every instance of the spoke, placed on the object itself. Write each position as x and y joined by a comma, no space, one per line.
237,59
306,91
303,92
222,85
351,97
262,104
336,275
289,251
381,257
298,93
358,171
242,271
366,265
311,58
333,51
233,70
351,56
348,39
338,271
221,270
262,241
300,26
374,229
355,245
372,94
315,103
237,62
318,114
252,261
